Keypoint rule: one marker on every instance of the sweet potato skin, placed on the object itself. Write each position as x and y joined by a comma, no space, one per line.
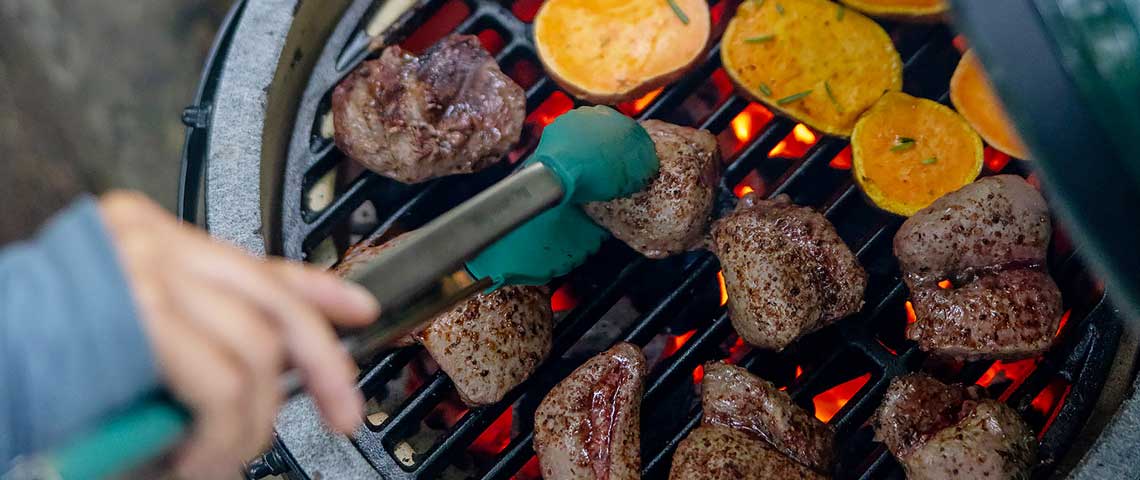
814,46
611,51
974,98
912,10
945,155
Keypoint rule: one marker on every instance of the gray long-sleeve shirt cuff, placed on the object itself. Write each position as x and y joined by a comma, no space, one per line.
72,349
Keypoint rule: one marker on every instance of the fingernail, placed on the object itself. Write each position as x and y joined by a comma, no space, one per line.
362,299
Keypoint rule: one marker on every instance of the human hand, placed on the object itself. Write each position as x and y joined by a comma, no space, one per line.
224,324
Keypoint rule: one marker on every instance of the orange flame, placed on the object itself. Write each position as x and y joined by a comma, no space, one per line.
828,403
1048,402
698,374
675,343
799,371
1015,372
1061,324
910,316
563,299
554,106
945,284
723,288
496,437
737,351
530,471
636,106
796,144
742,190
842,161
995,161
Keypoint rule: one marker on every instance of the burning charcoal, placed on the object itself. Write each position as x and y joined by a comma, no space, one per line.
945,431
974,261
733,397
714,452
415,118
588,426
786,270
672,214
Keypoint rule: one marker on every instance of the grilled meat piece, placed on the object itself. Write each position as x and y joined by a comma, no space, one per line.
714,452
588,426
939,431
990,238
786,270
492,342
672,213
411,118
733,397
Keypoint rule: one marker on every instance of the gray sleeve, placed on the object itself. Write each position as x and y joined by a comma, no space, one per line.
71,346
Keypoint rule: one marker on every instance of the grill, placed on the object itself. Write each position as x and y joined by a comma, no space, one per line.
673,307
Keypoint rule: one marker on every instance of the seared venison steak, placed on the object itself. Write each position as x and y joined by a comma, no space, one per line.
588,426
786,270
990,240
673,212
940,431
412,119
733,397
715,452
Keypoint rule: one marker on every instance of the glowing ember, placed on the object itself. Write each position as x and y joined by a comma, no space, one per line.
750,183
530,471
1064,320
742,190
910,316
799,371
496,437
828,403
554,105
796,144
563,299
675,343
889,349
749,122
1014,372
995,161
960,43
945,284
737,351
698,374
1048,402
524,72
491,40
634,107
723,289
723,85
843,160
526,9
449,16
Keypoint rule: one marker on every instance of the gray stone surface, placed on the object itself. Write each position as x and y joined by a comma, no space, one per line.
90,96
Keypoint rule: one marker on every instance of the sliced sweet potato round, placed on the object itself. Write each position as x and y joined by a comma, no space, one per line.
812,60
610,51
909,151
975,99
929,10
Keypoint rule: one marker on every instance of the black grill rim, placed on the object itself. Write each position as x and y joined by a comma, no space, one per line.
1083,359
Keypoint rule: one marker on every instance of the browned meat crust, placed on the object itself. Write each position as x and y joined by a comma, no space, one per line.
415,118
672,213
990,238
713,452
940,432
733,397
588,426
787,272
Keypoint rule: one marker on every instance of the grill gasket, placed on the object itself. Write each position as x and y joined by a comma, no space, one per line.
1082,359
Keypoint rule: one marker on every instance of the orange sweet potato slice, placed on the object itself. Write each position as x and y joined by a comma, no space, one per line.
813,60
902,9
610,51
974,97
909,151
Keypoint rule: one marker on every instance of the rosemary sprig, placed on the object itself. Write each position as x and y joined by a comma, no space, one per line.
765,89
841,10
831,96
793,98
929,160
903,143
677,11
760,38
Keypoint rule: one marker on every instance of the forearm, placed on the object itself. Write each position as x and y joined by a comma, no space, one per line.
71,345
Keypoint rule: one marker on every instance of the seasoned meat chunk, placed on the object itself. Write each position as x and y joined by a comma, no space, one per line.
786,270
733,397
588,426
492,342
411,118
672,214
715,452
944,432
990,240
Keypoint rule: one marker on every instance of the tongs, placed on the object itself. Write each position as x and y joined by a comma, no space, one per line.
499,237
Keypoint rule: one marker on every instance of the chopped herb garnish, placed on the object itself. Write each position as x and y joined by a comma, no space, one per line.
677,10
765,90
831,96
929,160
793,98
903,143
779,9
760,38
841,10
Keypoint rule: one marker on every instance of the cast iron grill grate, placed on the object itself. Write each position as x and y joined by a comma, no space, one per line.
845,368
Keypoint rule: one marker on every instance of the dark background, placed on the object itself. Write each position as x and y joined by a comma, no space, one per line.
90,97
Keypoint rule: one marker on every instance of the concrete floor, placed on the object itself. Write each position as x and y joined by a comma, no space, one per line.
90,97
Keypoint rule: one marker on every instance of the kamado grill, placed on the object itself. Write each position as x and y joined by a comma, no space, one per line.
293,193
